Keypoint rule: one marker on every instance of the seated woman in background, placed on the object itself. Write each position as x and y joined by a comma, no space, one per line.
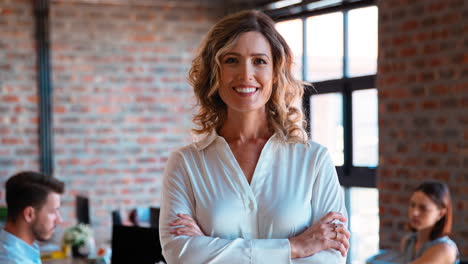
430,219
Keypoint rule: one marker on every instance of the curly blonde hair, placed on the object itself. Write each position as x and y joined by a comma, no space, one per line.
284,118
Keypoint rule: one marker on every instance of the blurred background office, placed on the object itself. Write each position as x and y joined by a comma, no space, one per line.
94,92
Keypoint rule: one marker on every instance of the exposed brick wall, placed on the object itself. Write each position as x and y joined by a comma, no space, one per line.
121,99
18,93
423,109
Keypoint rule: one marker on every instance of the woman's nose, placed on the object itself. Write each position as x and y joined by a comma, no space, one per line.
246,71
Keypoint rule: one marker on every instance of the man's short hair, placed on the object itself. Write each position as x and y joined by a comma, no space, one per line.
29,188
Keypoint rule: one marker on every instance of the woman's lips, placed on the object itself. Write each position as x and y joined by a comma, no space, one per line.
414,222
245,90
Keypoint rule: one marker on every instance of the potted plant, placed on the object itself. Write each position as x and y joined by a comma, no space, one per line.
80,239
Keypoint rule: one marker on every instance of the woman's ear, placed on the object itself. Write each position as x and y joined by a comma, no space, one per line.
442,213
29,214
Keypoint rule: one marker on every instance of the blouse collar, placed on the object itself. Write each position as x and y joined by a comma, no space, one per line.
209,138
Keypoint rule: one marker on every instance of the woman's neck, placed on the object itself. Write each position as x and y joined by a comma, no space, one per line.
245,126
423,235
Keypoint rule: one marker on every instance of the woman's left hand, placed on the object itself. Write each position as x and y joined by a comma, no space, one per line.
189,226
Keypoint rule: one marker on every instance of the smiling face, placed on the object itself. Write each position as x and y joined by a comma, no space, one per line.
423,213
246,74
47,218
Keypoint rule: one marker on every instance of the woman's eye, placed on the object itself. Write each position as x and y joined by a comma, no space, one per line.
230,60
260,61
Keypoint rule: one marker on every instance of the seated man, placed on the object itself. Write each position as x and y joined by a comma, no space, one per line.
33,202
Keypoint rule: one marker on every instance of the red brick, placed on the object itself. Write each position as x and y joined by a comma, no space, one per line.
464,101
465,58
402,39
431,48
410,25
393,107
435,62
144,38
440,89
442,176
10,98
437,6
147,140
59,109
451,18
12,141
429,104
107,109
407,52
422,36
436,147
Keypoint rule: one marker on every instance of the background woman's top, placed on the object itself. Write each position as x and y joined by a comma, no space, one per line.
408,251
293,186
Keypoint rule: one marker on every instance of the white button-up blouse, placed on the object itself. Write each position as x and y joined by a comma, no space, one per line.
293,186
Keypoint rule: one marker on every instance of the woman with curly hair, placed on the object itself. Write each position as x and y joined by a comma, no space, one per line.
254,189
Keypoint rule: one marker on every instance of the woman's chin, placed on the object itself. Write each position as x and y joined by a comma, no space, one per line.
415,226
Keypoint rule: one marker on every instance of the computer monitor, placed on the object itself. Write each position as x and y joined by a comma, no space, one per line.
134,244
154,217
82,209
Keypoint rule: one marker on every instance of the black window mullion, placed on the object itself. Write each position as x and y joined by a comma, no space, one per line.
305,67
278,16
41,12
349,175
308,89
347,129
332,86
362,82
347,104
358,177
306,106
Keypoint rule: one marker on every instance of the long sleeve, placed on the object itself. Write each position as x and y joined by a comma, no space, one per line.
327,196
178,197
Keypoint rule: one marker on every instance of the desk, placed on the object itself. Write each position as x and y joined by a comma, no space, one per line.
68,261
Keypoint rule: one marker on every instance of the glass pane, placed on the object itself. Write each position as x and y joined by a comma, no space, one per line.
326,123
362,43
325,47
365,128
291,30
364,223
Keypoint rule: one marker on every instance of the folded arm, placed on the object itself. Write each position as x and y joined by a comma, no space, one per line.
183,241
177,199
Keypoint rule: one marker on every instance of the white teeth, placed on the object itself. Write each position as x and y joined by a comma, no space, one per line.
245,90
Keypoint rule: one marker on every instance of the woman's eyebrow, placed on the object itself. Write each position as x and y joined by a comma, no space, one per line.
252,54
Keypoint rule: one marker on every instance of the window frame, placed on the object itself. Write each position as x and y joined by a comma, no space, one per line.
348,174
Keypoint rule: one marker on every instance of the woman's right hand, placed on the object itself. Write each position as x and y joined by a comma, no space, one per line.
324,234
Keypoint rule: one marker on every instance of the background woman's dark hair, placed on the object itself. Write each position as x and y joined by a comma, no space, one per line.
29,188
439,193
